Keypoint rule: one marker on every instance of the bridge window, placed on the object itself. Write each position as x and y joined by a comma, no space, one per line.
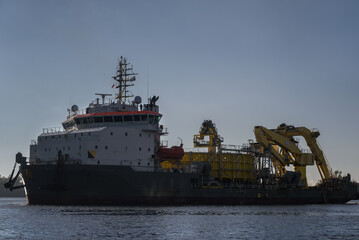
84,120
143,117
150,118
157,119
90,120
98,119
137,118
108,119
118,118
128,118
77,120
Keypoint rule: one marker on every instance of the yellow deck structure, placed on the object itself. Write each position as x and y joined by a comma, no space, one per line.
227,165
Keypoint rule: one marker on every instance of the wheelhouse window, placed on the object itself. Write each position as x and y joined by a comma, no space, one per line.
157,119
128,118
150,118
84,120
98,119
154,119
108,119
118,118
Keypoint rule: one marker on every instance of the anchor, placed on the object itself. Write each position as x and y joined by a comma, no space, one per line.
10,184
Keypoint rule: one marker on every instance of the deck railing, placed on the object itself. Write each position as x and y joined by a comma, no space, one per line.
53,130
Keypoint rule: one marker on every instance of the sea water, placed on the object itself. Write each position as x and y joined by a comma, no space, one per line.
21,221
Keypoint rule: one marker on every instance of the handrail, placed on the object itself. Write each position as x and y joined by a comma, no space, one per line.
53,130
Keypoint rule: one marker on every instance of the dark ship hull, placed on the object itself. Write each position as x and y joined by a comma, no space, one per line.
121,185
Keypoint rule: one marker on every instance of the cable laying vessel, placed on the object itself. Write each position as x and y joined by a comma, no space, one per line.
111,154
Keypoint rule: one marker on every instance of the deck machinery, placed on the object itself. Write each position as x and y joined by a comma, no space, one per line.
264,161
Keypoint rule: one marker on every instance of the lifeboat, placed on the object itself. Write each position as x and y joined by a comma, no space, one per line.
172,153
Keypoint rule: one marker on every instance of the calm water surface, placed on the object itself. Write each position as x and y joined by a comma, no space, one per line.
20,221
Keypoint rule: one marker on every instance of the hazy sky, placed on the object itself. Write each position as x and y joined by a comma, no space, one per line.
238,63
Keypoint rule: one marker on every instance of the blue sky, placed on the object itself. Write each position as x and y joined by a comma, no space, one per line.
239,63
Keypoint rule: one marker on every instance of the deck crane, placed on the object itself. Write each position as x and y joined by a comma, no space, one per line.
284,152
310,137
208,137
283,138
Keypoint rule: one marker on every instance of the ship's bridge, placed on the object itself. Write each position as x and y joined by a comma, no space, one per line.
111,119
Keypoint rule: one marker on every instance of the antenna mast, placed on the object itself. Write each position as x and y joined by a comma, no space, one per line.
124,76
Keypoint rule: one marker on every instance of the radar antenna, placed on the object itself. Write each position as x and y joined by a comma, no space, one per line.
124,77
103,95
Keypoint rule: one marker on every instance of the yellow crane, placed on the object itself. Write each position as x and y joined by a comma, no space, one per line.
285,151
208,137
310,137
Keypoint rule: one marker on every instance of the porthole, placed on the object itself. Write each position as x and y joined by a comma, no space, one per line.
80,147
68,148
139,163
111,133
45,149
139,149
125,133
140,134
89,134
82,134
96,147
75,134
148,164
49,149
149,149
98,162
106,147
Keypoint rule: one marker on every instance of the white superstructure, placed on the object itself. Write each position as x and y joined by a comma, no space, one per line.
107,133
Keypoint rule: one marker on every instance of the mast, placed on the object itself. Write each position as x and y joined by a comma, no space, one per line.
124,76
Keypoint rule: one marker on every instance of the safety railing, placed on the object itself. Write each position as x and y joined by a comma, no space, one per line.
53,130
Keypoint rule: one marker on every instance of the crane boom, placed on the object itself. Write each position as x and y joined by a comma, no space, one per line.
283,137
311,139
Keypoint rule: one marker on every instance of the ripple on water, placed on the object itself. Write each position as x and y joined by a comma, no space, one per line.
180,222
